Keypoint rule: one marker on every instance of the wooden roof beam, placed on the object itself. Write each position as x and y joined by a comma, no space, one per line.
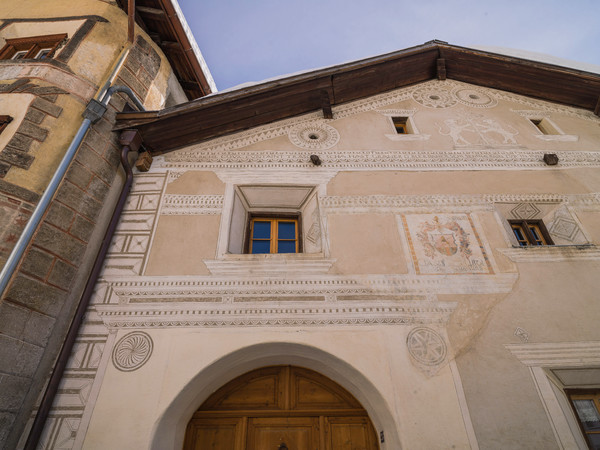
326,101
441,69
597,108
152,13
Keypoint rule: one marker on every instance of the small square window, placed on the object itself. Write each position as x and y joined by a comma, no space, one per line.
401,125
586,405
20,55
545,126
273,235
43,53
530,232
35,47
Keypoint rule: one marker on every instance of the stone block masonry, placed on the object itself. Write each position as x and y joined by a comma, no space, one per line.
37,307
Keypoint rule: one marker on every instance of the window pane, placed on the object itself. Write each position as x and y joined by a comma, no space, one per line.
287,230
262,230
536,234
588,414
519,235
261,246
286,247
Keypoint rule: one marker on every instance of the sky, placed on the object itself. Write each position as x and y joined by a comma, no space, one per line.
252,40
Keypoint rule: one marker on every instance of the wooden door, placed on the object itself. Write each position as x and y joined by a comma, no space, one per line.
293,433
281,407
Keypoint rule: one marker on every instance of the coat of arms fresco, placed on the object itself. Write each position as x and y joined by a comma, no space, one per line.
445,244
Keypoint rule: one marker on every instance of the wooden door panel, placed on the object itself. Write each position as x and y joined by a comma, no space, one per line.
297,433
351,433
214,434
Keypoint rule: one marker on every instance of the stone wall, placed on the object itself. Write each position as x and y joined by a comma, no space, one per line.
37,307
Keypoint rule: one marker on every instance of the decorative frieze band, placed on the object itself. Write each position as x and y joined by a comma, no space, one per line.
552,253
182,289
563,354
453,203
380,313
191,204
497,159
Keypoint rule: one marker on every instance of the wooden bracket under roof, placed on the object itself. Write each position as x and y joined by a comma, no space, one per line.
441,69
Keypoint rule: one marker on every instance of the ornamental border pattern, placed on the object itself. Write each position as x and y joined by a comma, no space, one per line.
179,204
443,203
376,313
378,160
281,128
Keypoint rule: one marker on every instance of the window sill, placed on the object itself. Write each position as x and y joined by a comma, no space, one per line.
558,137
549,253
408,137
270,264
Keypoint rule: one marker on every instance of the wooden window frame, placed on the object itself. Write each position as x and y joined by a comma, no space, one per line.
529,238
401,124
4,121
589,394
33,45
274,218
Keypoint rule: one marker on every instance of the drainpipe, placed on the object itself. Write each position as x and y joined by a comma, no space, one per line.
131,140
89,115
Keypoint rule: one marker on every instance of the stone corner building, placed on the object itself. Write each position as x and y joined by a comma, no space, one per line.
57,60
395,253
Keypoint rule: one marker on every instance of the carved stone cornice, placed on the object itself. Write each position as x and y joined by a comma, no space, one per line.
552,253
451,203
176,204
173,289
275,314
562,354
495,159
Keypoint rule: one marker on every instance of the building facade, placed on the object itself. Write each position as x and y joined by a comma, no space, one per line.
57,61
397,253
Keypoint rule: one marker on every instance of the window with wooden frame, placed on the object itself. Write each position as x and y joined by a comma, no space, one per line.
274,234
586,405
544,126
36,47
401,125
4,121
530,232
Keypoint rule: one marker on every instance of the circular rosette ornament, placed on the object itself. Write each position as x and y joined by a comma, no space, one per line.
434,97
314,136
475,98
132,351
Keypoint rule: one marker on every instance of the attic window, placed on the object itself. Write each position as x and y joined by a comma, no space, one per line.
401,125
545,126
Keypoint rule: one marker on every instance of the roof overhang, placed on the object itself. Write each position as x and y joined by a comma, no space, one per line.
165,24
236,110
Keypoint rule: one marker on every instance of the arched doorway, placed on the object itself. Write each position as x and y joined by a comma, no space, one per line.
281,407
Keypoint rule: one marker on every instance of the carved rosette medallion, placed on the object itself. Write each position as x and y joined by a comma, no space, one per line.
426,346
434,97
315,136
475,98
132,351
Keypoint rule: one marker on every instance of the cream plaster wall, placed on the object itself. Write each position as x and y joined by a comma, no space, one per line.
183,255
551,296
461,182
181,356
365,243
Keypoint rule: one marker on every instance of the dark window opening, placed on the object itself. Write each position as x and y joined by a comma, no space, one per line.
530,232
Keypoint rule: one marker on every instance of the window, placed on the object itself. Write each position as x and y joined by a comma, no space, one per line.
545,126
401,125
586,405
4,121
530,232
273,235
37,47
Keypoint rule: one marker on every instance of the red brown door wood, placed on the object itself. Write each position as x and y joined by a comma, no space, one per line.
277,408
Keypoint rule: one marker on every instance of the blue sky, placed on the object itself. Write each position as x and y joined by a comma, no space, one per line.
252,40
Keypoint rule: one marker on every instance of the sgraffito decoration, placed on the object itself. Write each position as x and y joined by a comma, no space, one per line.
132,351
445,244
